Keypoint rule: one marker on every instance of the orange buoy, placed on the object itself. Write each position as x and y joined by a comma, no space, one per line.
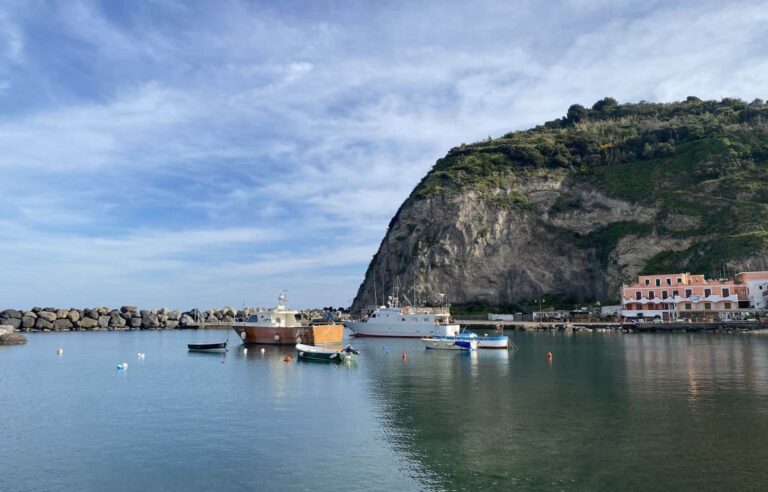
287,358
549,355
405,356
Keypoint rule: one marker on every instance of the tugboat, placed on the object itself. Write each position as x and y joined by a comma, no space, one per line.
281,326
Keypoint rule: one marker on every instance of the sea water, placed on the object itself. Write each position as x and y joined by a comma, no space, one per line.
608,411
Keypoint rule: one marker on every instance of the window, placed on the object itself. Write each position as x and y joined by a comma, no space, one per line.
688,292
707,306
675,293
647,282
658,282
651,295
679,280
664,294
707,292
688,306
638,295
669,281
726,292
727,305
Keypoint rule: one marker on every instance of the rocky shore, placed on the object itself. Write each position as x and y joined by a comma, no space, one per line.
124,318
8,337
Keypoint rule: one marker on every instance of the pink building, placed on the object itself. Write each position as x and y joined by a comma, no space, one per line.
682,295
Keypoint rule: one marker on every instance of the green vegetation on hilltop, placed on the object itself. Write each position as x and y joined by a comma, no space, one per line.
704,160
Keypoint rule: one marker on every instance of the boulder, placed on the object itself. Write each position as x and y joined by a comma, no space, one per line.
47,316
30,314
88,323
135,322
104,311
150,321
14,322
115,320
92,313
28,322
162,311
12,339
103,321
62,324
174,315
6,329
43,323
73,315
62,313
171,324
186,320
128,309
10,313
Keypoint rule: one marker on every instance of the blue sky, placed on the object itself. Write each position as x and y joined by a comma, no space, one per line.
185,154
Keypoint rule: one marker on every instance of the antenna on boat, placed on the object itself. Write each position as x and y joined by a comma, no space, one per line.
375,296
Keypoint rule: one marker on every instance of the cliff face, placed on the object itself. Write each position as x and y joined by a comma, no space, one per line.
580,205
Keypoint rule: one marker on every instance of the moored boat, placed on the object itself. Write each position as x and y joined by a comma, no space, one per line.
449,343
281,326
312,352
393,321
207,347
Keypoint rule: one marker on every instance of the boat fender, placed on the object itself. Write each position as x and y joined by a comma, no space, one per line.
262,350
277,338
549,355
287,358
245,351
405,356
242,335
298,339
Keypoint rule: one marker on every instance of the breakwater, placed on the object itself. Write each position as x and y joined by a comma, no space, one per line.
123,318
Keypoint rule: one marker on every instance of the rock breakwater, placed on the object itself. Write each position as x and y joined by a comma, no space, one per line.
110,319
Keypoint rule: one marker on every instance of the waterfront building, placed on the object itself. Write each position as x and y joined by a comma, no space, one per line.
684,295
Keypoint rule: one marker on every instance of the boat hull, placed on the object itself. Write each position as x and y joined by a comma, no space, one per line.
207,347
501,343
273,335
449,344
309,352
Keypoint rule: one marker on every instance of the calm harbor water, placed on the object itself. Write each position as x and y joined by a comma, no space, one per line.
610,411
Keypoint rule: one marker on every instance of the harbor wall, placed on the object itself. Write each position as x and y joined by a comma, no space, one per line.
123,318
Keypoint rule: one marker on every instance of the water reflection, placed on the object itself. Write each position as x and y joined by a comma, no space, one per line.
497,419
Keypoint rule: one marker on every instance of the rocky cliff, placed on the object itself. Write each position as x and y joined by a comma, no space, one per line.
577,206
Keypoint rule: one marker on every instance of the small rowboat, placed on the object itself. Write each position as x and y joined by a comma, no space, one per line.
311,352
450,343
207,347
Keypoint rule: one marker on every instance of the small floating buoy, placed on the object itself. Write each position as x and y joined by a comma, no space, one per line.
263,350
405,356
60,351
122,367
287,358
549,355
140,355
245,351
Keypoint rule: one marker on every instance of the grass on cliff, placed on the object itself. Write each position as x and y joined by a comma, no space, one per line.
707,160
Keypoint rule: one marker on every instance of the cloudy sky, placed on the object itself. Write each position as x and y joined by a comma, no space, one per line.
183,154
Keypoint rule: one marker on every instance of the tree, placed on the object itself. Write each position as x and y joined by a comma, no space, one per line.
576,113
606,102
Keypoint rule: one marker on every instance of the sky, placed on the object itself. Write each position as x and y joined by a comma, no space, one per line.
182,153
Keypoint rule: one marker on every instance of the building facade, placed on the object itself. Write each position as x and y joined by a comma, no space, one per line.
683,295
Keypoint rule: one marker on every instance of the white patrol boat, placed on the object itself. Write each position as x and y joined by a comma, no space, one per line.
405,322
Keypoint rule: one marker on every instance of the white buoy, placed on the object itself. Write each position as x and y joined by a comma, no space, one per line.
262,350
277,338
122,367
140,355
245,351
60,351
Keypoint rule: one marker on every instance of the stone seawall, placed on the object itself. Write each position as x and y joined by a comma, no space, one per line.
124,318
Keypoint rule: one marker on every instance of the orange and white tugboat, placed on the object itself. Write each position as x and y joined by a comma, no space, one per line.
282,326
